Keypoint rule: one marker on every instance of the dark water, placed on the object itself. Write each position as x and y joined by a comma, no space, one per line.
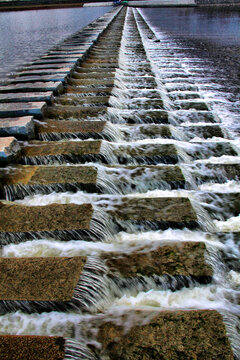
25,35
220,26
212,35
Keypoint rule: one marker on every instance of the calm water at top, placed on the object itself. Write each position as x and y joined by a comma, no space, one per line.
220,26
25,35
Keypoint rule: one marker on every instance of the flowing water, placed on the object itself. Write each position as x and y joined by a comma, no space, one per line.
162,79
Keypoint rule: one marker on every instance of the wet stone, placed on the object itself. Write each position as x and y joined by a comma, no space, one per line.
93,75
78,112
61,62
21,109
23,180
26,347
147,153
81,127
15,218
180,258
26,97
9,150
34,79
92,82
186,105
203,131
21,128
56,87
103,91
40,279
49,71
175,212
72,99
164,337
81,150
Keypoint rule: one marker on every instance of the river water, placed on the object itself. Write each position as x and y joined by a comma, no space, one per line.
25,35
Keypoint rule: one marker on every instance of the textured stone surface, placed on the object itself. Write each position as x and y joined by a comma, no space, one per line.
184,335
45,148
31,347
9,150
21,128
33,87
176,210
21,218
40,279
181,258
68,126
25,97
45,175
39,78
21,109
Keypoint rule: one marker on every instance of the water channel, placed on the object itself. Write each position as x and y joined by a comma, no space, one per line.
170,72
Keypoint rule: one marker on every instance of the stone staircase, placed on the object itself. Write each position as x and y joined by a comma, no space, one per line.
109,246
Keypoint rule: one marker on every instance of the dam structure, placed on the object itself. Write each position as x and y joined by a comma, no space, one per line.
119,210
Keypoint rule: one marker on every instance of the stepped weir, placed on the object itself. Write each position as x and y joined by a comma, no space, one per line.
119,211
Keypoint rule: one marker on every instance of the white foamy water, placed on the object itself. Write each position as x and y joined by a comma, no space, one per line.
48,324
203,297
122,242
232,224
224,159
230,186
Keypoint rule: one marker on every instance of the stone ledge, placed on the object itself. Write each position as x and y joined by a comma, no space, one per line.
22,108
40,279
21,128
15,218
188,335
9,150
32,347
179,258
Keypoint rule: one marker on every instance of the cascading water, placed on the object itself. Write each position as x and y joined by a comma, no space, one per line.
159,147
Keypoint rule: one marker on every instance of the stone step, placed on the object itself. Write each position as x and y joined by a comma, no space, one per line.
79,112
56,87
61,62
73,99
26,347
180,258
39,78
46,67
22,109
26,97
92,82
152,213
184,95
56,130
64,151
9,150
92,75
40,279
23,180
88,90
41,72
205,150
20,181
21,128
164,336
203,131
42,152
20,222
191,104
